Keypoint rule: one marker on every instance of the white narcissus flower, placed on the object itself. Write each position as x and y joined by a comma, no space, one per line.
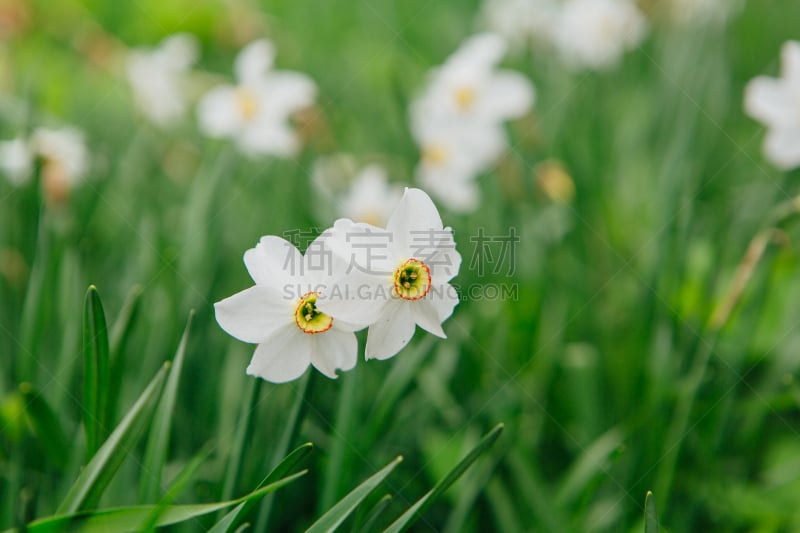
16,161
280,314
471,90
398,277
776,103
520,21
371,198
595,34
255,113
158,78
66,158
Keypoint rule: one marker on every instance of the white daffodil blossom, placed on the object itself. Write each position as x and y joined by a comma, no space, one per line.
452,156
64,154
255,113
471,90
16,161
521,21
595,34
370,198
398,277
776,103
158,78
280,313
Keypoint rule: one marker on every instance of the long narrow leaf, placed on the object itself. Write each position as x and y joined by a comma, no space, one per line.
158,441
414,512
45,425
339,512
95,371
124,519
650,514
372,517
284,467
94,478
118,342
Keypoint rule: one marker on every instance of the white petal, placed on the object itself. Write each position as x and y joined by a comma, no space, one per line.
334,349
254,61
285,356
770,101
269,137
289,91
782,147
275,263
16,161
180,50
443,298
790,62
218,112
364,248
413,221
426,317
507,95
480,51
391,332
456,193
253,314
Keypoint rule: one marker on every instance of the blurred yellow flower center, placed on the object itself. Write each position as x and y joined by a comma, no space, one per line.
412,280
434,155
246,100
465,97
308,318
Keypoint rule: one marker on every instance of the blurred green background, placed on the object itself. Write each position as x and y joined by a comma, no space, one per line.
606,368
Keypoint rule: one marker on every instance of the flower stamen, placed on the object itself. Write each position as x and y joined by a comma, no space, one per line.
412,280
248,105
308,318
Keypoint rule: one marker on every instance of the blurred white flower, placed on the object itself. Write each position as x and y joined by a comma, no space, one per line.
157,78
401,274
16,160
776,103
457,120
521,21
595,34
452,157
64,154
469,88
371,198
280,314
255,113
701,12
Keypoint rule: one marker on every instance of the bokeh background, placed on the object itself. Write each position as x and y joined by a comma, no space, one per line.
605,364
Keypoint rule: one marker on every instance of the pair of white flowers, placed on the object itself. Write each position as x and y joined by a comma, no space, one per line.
458,119
586,34
63,152
305,309
254,113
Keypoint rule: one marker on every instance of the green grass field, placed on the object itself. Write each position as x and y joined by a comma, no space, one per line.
643,336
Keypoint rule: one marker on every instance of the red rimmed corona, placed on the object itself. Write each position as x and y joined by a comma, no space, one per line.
412,280
308,318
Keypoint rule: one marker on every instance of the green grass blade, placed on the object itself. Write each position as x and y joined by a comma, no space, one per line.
45,425
158,440
593,461
118,341
186,474
284,467
650,514
339,512
241,437
414,512
94,478
287,438
95,371
124,519
368,524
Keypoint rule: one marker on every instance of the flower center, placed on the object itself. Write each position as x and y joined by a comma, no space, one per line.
308,318
412,280
248,105
434,154
465,98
